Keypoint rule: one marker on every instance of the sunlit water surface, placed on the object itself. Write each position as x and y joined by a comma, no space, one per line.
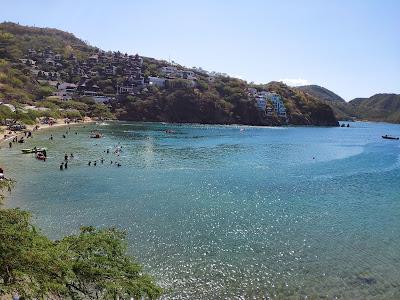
217,212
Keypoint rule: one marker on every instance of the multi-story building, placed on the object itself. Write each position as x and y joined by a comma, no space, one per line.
265,99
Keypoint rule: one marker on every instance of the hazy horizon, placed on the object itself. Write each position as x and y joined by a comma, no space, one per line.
350,48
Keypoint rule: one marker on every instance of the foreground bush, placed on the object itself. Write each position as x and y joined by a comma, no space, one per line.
90,265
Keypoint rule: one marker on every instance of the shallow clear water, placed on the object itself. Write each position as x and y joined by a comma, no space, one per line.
215,212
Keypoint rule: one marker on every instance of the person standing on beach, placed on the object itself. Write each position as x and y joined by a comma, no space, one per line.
10,144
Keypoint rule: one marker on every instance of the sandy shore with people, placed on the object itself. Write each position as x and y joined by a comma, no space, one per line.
6,136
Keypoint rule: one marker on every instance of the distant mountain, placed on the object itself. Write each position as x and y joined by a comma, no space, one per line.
321,93
337,103
379,107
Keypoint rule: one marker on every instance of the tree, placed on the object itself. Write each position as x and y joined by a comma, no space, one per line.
90,265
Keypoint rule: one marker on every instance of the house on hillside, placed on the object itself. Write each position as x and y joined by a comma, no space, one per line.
157,81
69,88
110,70
277,103
261,102
94,59
269,102
50,61
65,91
190,75
27,61
136,60
131,85
169,71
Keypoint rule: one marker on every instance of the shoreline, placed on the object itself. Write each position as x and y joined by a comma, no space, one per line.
18,134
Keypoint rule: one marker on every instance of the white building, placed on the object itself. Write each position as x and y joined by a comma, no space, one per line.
277,102
261,102
262,99
157,81
68,88
169,70
188,75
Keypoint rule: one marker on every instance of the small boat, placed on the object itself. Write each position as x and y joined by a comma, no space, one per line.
40,156
33,150
388,137
95,135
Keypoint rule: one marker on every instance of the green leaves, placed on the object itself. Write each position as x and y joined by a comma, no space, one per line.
90,265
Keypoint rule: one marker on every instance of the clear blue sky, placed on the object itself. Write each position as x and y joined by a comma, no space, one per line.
351,46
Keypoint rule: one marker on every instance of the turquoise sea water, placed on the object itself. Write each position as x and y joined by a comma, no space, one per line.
214,212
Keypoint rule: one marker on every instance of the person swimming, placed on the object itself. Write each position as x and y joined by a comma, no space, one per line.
62,166
89,163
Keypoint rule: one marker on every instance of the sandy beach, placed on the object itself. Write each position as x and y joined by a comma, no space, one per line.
7,136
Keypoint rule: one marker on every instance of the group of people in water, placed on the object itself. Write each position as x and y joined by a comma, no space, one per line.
117,151
64,164
67,158
27,134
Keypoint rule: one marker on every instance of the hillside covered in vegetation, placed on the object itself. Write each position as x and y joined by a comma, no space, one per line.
379,107
48,72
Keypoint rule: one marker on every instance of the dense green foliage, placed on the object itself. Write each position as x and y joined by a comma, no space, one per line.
209,98
15,40
92,264
321,93
303,109
380,107
224,102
